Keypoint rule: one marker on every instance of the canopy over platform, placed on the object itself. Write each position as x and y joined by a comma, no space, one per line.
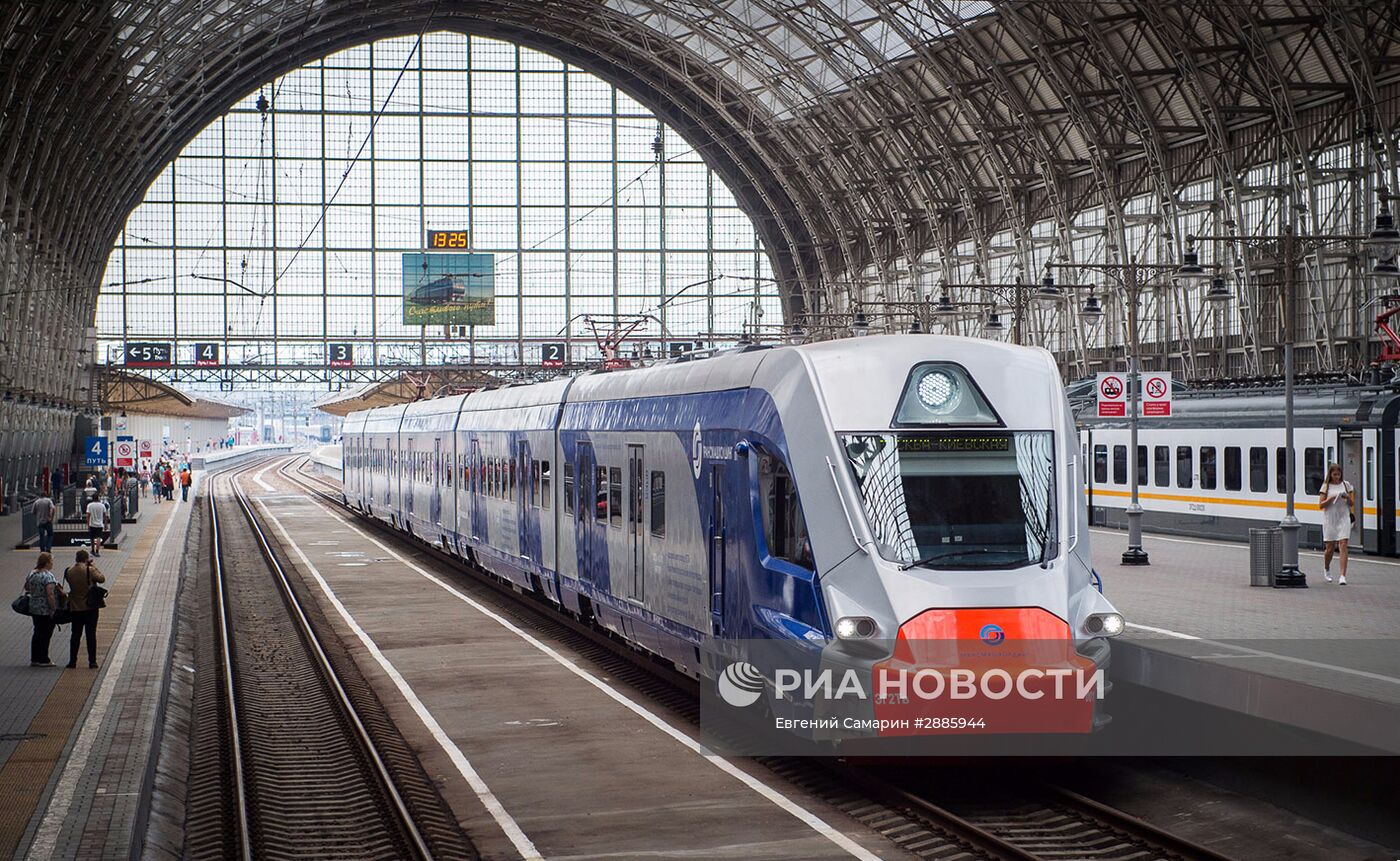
125,392
406,388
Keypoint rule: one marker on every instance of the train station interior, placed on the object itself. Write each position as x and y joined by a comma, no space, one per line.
704,429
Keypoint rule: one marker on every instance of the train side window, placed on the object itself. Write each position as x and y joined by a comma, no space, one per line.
658,503
615,496
1258,469
1282,460
1100,464
1370,473
1234,477
1184,466
784,527
1142,466
600,505
568,488
1208,467
1313,469
1120,464
535,483
1162,466
544,484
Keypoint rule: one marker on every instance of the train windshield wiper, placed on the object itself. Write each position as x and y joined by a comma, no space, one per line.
943,557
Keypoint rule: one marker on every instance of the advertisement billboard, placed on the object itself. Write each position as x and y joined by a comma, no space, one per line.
449,289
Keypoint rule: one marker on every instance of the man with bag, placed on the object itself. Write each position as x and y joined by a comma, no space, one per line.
85,598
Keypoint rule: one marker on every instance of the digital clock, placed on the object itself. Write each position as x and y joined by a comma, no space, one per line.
447,239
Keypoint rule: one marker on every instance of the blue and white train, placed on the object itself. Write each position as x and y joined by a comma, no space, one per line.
848,496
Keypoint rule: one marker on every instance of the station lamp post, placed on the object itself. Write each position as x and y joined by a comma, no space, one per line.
1015,294
1288,247
1134,278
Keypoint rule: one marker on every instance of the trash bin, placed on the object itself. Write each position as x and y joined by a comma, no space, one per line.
1265,555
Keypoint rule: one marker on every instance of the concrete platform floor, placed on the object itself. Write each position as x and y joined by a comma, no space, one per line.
1326,658
537,754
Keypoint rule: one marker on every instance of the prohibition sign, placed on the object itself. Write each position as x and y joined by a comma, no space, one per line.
1156,388
1112,388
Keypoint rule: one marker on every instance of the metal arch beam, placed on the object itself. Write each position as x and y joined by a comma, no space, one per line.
62,193
779,228
859,109
820,187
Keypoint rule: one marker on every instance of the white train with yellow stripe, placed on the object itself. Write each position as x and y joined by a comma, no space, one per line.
1217,466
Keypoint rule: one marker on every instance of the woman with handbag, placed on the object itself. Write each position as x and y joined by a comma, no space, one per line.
45,600
1336,499
85,598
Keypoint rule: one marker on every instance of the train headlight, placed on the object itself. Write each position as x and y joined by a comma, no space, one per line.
1104,624
939,391
855,627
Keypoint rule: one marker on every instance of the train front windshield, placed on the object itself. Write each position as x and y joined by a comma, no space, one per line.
958,500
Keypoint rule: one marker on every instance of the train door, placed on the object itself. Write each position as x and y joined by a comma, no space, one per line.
717,536
636,526
1353,467
470,488
525,547
584,512
435,491
1368,506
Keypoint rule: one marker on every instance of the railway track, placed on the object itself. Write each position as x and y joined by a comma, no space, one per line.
1038,822
303,775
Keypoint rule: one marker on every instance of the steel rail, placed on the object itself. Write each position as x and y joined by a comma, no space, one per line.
362,736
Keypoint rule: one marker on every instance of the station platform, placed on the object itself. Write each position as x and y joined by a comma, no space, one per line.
76,744
537,752
1324,660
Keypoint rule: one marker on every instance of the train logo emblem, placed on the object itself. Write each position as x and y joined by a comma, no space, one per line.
697,452
741,684
992,634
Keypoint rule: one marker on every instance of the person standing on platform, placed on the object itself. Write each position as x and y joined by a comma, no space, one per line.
168,482
81,578
45,597
144,478
43,515
1337,500
97,524
185,480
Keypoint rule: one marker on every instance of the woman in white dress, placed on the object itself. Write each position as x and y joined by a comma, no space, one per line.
1336,499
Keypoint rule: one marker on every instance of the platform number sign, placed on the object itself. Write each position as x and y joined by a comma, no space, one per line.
206,355
680,348
95,451
144,354
1157,393
552,355
1112,394
340,355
